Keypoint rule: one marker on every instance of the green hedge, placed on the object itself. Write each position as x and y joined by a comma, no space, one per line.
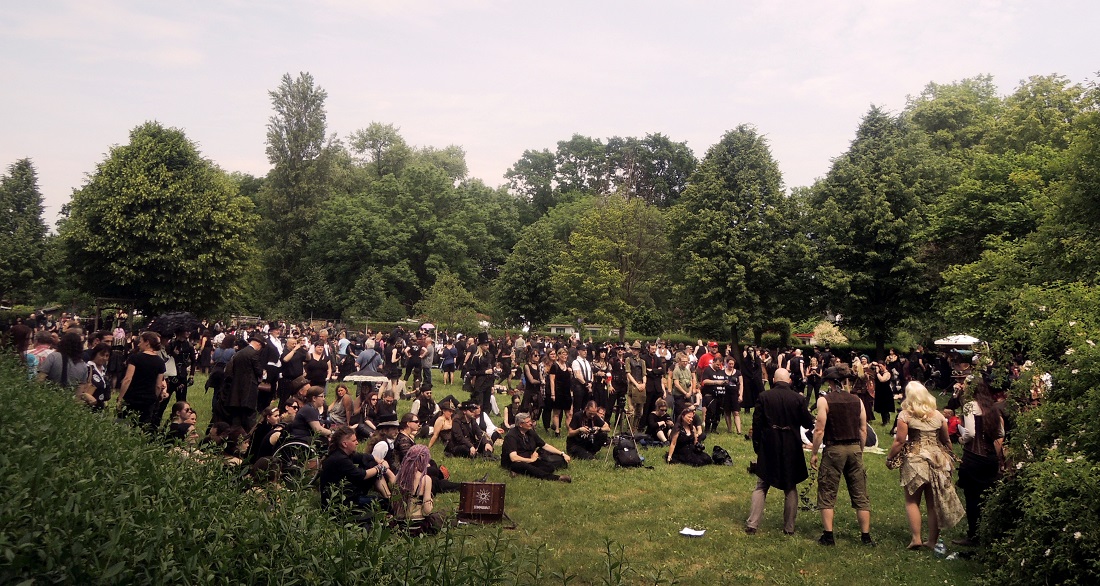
85,500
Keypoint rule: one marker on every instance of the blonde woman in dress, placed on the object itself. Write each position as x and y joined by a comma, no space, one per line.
926,465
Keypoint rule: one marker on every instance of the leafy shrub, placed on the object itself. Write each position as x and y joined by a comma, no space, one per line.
86,500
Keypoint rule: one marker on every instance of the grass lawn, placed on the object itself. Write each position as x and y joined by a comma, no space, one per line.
627,520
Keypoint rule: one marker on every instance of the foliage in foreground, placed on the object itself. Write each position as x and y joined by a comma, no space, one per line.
86,500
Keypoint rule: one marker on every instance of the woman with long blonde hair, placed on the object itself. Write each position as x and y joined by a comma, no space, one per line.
926,465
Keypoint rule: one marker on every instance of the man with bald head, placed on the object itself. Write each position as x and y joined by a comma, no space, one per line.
776,439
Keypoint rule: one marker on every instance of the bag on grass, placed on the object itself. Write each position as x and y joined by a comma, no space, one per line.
625,452
721,457
556,460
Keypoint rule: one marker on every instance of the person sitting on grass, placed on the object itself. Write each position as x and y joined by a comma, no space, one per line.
588,433
523,452
685,446
348,477
380,444
660,423
467,440
181,427
414,503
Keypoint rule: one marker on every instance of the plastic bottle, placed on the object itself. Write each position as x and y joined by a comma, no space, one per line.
940,549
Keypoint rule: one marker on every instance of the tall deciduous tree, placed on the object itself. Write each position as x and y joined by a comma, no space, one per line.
298,183
869,209
23,233
523,290
158,223
449,305
740,248
383,148
614,261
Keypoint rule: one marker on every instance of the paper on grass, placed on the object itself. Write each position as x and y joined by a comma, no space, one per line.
689,532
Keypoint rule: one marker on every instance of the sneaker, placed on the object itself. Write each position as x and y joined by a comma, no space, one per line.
565,479
750,530
867,541
826,539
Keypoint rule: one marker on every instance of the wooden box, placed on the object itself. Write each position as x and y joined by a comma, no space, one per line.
481,502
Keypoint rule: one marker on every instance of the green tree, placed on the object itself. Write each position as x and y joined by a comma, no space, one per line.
298,183
384,149
739,257
23,234
653,168
523,291
158,223
868,210
449,305
531,179
614,261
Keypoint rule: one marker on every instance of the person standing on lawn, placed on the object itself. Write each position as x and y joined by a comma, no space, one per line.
842,427
777,442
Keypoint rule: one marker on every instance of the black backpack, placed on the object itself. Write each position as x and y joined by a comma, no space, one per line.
626,453
721,457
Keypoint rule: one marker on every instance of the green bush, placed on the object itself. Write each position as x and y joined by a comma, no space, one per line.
85,500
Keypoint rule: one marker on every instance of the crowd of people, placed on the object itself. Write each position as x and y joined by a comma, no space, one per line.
269,410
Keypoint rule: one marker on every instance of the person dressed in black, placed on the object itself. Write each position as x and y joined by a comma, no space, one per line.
686,446
467,440
522,452
714,386
143,386
242,382
294,358
776,439
617,393
481,371
532,385
181,351
659,423
348,477
982,433
588,433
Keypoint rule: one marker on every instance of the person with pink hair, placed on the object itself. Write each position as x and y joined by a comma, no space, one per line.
414,488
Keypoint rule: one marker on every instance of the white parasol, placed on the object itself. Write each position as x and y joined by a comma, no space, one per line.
957,340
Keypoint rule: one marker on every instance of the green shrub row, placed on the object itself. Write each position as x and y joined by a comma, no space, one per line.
86,500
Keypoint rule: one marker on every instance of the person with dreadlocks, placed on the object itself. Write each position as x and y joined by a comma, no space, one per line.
414,503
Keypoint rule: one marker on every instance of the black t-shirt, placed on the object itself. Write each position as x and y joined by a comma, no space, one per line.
143,385
718,374
300,428
523,444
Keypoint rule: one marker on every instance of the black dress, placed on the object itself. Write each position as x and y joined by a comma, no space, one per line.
686,451
316,371
563,379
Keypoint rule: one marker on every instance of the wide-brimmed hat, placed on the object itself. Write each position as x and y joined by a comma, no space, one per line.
636,345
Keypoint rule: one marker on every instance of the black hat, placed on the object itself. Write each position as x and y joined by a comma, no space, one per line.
274,326
257,337
387,420
482,338
470,405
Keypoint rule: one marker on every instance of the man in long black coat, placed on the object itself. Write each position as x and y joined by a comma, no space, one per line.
242,383
777,440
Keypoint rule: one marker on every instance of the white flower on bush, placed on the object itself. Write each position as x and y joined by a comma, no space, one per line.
1019,465
1072,323
1074,371
1077,535
1090,342
1042,308
1031,324
1047,554
1069,351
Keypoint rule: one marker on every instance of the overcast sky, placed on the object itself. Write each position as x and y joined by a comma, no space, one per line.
500,77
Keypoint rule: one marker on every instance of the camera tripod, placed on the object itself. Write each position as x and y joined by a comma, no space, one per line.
616,430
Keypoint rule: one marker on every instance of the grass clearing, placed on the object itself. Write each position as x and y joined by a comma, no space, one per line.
621,525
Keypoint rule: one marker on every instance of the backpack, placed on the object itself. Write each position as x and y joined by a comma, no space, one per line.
721,457
625,453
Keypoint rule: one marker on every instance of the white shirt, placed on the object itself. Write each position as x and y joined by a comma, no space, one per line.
583,369
278,346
